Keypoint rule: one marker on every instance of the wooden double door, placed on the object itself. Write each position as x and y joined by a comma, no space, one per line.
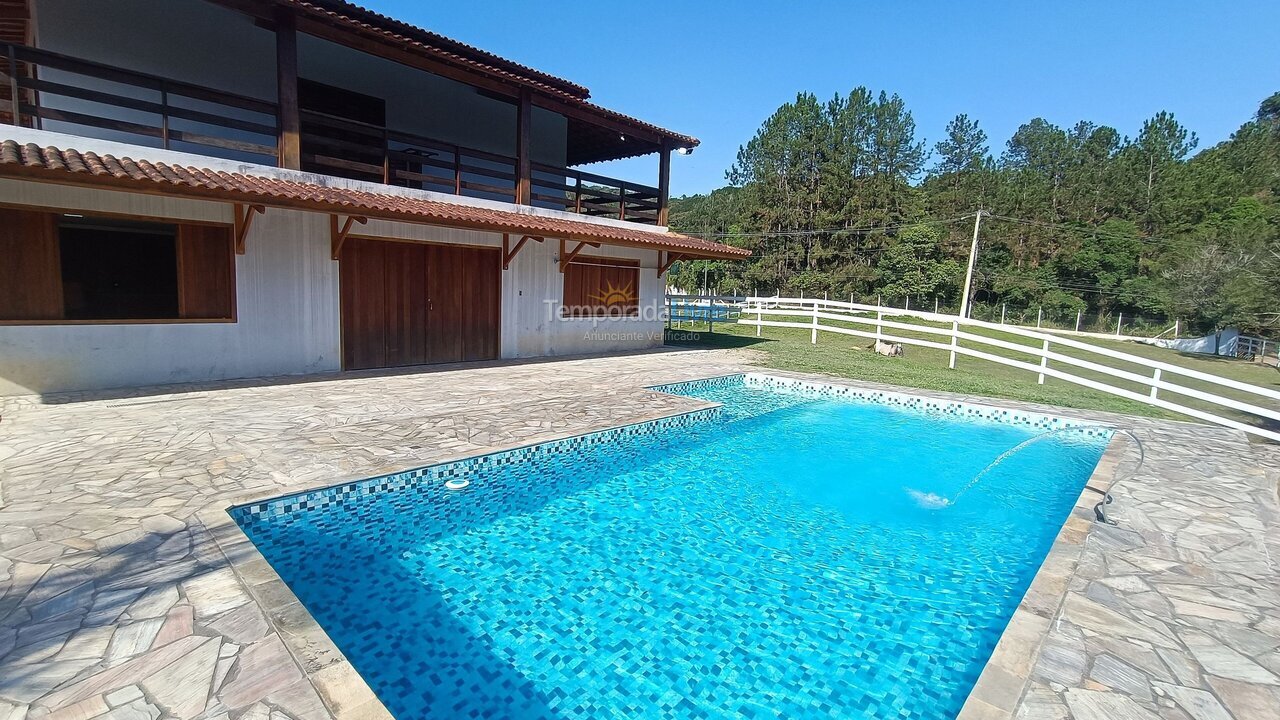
406,303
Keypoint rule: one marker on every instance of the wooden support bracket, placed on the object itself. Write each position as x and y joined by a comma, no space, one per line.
665,264
243,220
567,256
338,235
509,253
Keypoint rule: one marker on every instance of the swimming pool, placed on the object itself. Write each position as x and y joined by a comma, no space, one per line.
768,557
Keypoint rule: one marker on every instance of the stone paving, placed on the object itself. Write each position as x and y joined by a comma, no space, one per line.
116,601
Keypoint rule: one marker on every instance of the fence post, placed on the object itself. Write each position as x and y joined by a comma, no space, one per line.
814,339
759,315
879,319
1177,326
907,305
935,305
1039,316
1044,361
1119,322
1155,378
1003,307
955,340
711,316
1078,320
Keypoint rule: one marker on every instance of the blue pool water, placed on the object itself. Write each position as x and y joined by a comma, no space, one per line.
769,560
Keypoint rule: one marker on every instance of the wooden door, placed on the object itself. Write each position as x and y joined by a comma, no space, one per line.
414,303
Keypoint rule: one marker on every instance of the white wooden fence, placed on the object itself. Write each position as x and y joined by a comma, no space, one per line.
809,313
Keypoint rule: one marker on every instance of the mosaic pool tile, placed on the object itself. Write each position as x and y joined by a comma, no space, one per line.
757,559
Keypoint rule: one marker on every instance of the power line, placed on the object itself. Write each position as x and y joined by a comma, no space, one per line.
830,231
1094,232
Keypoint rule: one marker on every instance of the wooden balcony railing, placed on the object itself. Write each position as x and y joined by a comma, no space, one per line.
369,152
590,194
66,94
134,107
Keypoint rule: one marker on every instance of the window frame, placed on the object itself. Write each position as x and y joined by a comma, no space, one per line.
585,311
60,212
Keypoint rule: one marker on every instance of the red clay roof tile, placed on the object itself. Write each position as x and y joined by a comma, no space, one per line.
88,168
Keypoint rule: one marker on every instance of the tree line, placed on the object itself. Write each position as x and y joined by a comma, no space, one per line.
842,197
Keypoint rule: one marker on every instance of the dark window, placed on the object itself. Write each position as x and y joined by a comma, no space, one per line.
118,271
341,131
85,269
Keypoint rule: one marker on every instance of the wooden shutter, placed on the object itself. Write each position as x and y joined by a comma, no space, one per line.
601,286
30,266
206,272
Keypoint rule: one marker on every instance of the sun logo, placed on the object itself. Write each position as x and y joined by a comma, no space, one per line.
614,295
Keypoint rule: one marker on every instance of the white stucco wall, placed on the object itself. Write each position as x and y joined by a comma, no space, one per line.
287,305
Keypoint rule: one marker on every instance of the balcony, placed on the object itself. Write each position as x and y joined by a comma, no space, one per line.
81,97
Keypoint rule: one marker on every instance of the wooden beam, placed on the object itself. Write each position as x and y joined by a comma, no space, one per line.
243,221
289,123
664,181
509,253
665,265
338,235
567,256
596,117
375,43
524,167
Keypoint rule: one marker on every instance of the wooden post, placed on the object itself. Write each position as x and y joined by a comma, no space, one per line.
879,320
935,304
759,315
1039,316
1044,361
1155,378
1003,308
1177,326
955,340
524,166
664,181
814,339
288,121
14,94
1119,322
1078,320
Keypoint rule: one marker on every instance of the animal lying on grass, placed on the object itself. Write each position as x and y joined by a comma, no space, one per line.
888,349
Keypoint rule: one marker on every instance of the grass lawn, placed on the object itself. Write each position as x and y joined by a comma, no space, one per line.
850,357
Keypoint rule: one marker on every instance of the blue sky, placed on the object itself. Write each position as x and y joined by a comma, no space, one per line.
716,70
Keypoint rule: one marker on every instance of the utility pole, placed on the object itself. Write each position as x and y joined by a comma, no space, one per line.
973,257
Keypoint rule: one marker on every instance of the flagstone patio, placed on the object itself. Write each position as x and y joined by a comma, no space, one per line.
117,602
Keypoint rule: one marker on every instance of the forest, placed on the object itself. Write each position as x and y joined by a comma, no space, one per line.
842,198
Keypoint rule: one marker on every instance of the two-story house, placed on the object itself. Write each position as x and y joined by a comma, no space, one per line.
207,189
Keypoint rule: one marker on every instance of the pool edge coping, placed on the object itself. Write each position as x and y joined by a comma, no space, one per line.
1003,682
342,690
348,696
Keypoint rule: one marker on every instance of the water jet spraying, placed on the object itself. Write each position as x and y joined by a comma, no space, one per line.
933,501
